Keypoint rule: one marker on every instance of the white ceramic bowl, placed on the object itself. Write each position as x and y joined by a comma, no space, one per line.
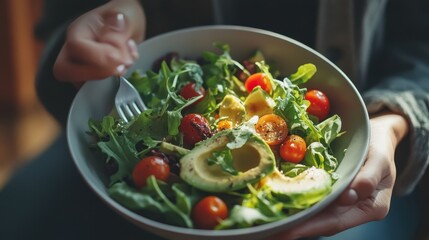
95,100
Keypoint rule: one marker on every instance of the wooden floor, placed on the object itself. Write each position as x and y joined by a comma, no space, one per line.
23,135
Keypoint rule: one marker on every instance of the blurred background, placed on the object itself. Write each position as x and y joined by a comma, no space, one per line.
26,129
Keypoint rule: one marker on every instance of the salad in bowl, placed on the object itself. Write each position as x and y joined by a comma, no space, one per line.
223,144
240,139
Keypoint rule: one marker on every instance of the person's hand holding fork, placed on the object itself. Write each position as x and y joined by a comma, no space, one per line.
101,43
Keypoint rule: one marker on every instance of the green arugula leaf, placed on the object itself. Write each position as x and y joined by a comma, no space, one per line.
133,199
186,197
318,155
153,198
290,104
243,217
304,73
330,128
238,137
149,127
264,202
223,159
291,169
119,147
173,212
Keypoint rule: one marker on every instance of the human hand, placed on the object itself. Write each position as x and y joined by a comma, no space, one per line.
101,42
369,195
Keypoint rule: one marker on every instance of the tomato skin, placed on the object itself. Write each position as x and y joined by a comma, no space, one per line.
188,91
293,149
319,104
272,128
223,125
208,212
152,165
194,128
258,79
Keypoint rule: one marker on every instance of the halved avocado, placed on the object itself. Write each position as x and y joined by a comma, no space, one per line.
253,161
303,190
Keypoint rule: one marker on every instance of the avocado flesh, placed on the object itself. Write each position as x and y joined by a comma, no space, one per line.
259,103
232,109
307,188
254,160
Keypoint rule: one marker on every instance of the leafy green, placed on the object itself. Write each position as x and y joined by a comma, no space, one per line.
330,129
155,200
243,217
291,169
318,155
304,73
291,105
133,199
117,146
258,207
223,158
238,137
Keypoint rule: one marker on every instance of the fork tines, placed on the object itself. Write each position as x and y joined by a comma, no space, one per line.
128,102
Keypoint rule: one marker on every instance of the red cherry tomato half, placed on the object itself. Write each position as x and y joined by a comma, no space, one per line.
293,149
208,212
148,166
188,91
272,128
319,104
194,128
258,79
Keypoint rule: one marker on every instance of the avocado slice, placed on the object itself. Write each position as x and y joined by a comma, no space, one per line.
259,103
232,108
253,160
303,190
169,148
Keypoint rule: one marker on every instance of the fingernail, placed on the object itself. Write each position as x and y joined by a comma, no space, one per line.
132,46
120,69
352,196
115,21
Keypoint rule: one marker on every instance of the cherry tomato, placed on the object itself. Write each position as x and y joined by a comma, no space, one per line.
293,149
223,125
258,79
319,104
194,128
272,128
188,91
152,165
208,212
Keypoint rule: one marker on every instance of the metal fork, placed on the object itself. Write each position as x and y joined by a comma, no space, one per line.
128,101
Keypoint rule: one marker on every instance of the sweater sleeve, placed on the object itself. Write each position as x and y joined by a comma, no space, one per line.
402,77
56,96
406,91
